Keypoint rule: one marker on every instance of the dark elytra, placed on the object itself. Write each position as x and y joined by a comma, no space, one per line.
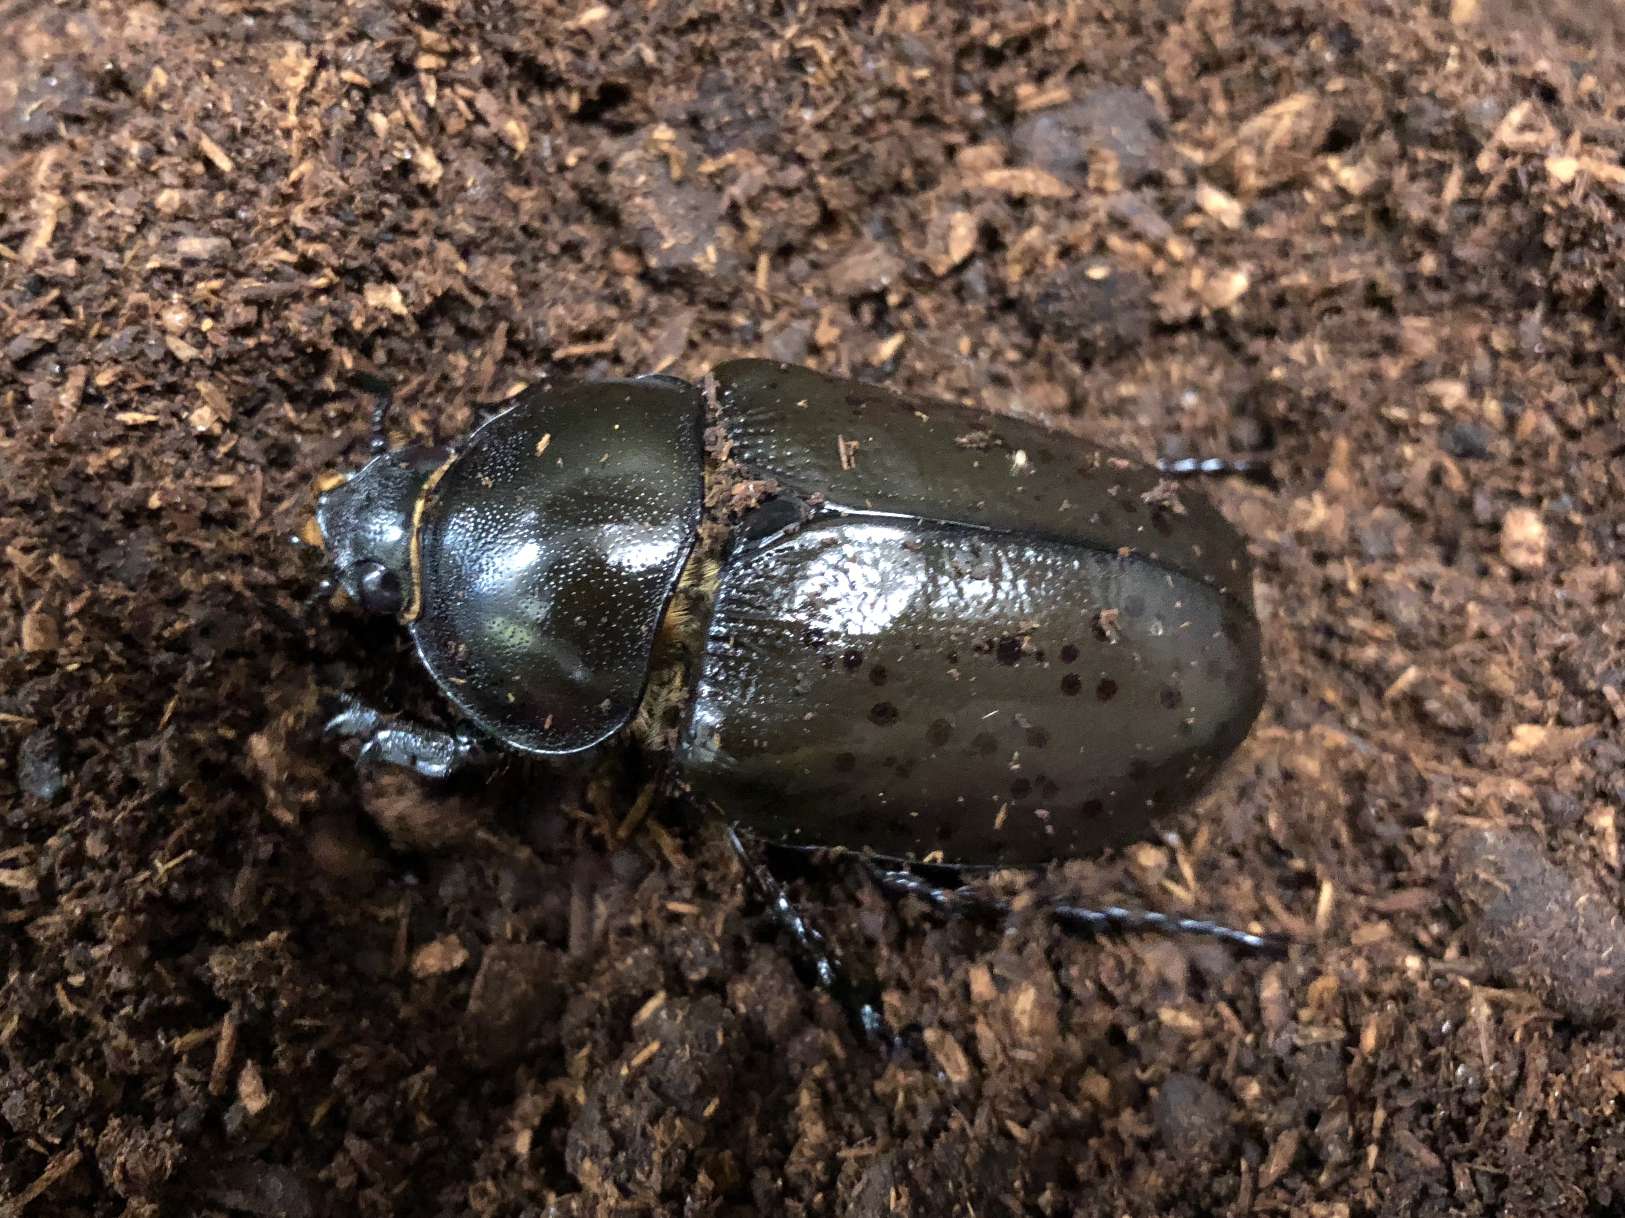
942,634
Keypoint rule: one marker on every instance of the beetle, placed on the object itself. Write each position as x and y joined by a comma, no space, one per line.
840,616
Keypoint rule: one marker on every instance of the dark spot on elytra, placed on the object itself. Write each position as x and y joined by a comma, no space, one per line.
1021,788
940,732
904,767
1137,769
1133,605
1091,808
945,830
1047,787
1162,522
845,763
1009,649
1106,690
953,657
1129,506
878,675
1170,697
883,714
1069,653
827,661
853,659
1037,737
984,743
1071,684
1159,797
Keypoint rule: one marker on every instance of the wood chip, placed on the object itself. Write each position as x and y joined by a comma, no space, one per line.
39,630
642,1057
19,879
1547,741
950,1058
225,1050
385,296
217,155
251,1091
202,247
1280,1157
1027,183
445,955
1523,540
59,1166
1221,206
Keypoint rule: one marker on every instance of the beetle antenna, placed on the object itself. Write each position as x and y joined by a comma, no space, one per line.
379,441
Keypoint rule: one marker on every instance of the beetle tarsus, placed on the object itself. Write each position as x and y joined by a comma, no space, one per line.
352,718
428,751
378,441
1110,919
320,597
1253,469
860,1001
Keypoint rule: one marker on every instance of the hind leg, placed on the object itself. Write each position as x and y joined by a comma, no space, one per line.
860,1000
1115,919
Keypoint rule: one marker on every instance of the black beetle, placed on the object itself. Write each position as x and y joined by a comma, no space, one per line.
843,616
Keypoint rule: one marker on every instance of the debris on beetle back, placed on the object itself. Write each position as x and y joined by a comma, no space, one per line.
981,439
1164,496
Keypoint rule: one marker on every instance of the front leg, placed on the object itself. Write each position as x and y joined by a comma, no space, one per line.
430,752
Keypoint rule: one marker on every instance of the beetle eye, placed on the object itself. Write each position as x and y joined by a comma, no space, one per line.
380,590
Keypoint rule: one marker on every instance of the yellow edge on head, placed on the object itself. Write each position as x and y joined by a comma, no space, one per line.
311,532
415,548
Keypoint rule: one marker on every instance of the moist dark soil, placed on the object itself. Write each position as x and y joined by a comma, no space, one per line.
1381,246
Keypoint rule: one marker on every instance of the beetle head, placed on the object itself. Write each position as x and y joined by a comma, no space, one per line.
366,524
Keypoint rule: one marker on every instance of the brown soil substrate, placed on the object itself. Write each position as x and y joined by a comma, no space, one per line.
1380,244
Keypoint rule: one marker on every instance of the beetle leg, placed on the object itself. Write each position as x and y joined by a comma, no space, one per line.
352,718
1110,919
1253,469
320,598
378,438
430,751
859,1000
